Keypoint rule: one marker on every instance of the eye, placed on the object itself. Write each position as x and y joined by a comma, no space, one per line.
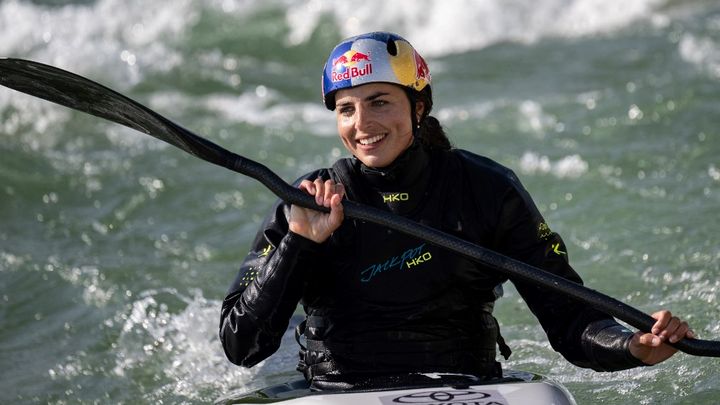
379,102
345,111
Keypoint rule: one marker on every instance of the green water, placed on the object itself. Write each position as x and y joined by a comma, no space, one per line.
116,250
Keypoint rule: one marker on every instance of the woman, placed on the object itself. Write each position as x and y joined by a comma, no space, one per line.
380,303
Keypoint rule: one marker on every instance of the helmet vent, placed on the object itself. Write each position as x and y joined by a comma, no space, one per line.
391,47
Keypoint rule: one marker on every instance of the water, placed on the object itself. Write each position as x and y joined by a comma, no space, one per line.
116,249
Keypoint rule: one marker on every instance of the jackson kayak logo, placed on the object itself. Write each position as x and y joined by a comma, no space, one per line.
406,260
348,66
447,397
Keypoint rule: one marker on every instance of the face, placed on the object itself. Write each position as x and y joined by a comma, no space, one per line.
374,122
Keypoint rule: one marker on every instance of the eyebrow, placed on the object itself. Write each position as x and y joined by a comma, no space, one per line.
371,97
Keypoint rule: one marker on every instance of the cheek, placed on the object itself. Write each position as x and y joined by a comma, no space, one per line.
344,136
344,128
343,122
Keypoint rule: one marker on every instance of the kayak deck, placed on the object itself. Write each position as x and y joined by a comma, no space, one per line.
515,387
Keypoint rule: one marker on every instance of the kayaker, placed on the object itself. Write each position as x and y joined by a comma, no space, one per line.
381,304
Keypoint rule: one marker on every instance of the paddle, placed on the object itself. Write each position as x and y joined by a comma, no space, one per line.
82,94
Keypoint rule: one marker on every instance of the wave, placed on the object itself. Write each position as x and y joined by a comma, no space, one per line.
136,33
107,33
456,26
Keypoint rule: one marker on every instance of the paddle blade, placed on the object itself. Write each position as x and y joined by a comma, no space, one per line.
82,94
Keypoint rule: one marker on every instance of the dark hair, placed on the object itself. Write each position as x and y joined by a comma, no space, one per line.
430,133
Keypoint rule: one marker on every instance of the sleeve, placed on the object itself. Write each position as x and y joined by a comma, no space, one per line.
256,311
584,336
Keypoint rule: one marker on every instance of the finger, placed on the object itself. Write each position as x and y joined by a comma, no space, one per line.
308,186
337,213
649,339
340,188
663,318
670,328
319,191
680,332
329,192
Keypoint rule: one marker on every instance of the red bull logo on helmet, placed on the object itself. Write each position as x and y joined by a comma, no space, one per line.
423,73
350,65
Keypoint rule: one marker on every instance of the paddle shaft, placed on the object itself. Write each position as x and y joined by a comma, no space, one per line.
79,93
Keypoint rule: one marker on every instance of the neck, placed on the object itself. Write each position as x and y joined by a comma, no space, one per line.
403,183
404,170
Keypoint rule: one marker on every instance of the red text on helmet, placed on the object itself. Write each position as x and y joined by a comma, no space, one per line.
347,66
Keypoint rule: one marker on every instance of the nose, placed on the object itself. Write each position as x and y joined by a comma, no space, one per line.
363,119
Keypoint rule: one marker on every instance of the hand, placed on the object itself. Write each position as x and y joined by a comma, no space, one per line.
651,348
316,225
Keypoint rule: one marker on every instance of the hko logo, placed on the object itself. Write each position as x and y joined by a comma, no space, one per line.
408,259
396,197
425,257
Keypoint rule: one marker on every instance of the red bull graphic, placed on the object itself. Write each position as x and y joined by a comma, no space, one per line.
358,56
347,66
422,69
342,61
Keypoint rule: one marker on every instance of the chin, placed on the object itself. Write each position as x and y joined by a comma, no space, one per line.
374,162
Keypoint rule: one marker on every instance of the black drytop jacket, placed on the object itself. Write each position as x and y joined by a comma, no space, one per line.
379,301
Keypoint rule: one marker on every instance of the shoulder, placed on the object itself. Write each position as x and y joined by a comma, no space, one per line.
482,169
491,184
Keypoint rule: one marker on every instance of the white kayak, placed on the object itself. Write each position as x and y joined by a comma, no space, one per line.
515,388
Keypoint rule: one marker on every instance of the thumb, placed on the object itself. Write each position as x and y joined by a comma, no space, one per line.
646,339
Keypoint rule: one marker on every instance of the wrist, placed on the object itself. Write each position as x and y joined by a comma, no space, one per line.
632,354
301,241
307,232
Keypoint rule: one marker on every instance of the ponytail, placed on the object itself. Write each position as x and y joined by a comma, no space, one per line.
432,135
429,131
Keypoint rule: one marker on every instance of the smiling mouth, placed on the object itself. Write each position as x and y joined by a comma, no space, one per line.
370,141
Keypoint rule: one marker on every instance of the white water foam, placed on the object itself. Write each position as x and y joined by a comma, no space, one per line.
30,116
529,115
119,40
572,166
262,107
184,345
100,36
702,52
452,26
140,36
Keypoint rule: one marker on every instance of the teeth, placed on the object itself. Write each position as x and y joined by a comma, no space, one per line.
369,141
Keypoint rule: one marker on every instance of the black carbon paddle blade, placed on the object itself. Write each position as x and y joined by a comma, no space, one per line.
82,94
